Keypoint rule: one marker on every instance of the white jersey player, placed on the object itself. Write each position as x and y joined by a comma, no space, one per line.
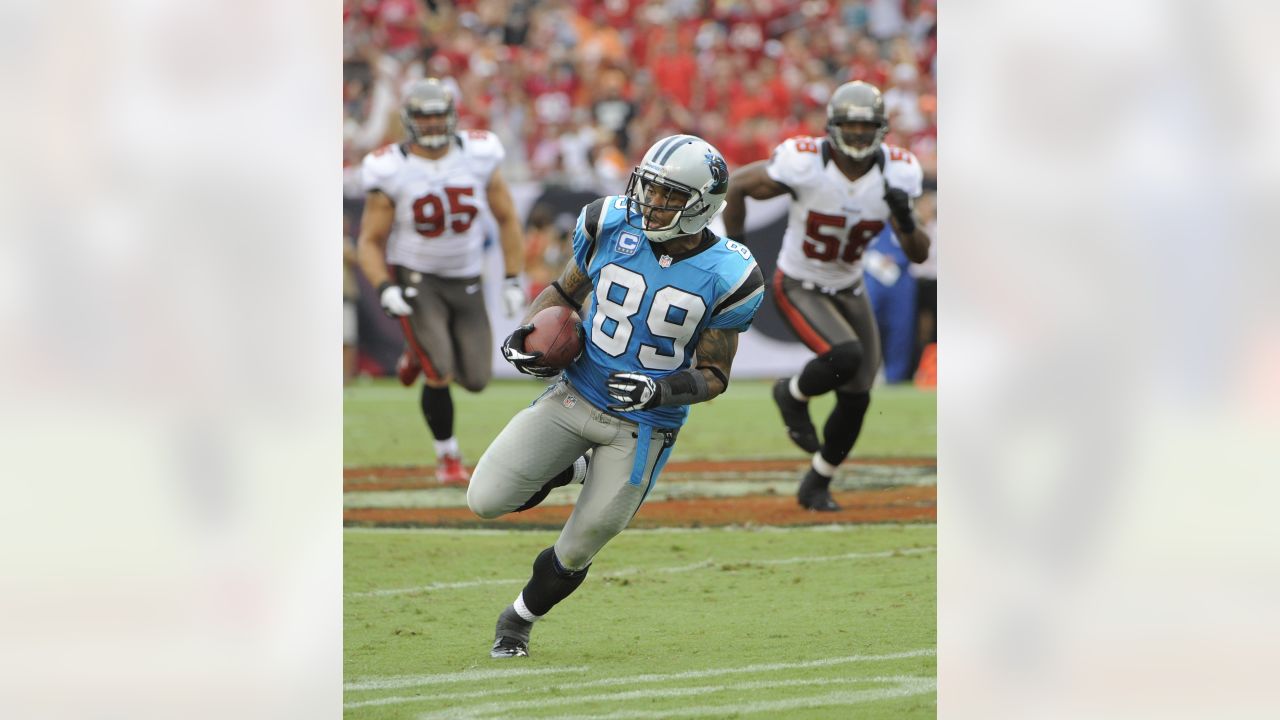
438,203
422,245
834,218
845,188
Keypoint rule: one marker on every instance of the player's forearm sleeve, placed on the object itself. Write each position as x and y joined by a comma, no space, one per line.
684,388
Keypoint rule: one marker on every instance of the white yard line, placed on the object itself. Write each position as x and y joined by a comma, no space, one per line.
623,680
900,686
906,688
708,563
404,681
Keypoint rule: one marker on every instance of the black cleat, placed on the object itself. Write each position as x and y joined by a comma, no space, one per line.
505,647
815,493
795,414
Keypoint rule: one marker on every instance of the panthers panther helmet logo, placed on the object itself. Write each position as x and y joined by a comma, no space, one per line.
719,173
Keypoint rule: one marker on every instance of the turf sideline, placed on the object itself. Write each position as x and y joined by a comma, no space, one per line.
702,565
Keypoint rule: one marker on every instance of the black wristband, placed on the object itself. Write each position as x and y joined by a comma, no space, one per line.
384,285
683,388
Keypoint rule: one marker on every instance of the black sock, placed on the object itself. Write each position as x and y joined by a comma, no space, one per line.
843,426
550,583
437,408
562,478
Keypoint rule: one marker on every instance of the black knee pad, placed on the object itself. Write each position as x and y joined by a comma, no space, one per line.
845,359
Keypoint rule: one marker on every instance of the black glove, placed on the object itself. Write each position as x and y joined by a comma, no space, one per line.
634,391
527,363
900,206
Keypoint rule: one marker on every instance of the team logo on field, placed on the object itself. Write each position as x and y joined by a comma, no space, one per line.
569,401
627,243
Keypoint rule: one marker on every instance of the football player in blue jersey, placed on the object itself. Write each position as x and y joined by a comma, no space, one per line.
667,301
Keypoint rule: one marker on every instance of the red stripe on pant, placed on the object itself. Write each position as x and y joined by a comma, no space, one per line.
807,334
427,367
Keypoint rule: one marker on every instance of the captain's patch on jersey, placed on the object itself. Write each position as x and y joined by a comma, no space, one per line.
627,243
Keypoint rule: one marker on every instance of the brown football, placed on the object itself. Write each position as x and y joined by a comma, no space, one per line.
555,335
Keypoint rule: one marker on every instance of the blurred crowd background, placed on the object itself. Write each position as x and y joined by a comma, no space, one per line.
577,90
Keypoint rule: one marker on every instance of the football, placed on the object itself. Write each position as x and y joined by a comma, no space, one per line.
555,335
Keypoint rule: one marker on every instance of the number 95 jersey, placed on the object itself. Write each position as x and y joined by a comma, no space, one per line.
438,226
833,218
647,312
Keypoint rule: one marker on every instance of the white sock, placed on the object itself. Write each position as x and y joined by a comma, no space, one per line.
823,467
794,386
579,471
447,447
522,610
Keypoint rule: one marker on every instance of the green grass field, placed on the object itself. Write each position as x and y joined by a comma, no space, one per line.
832,621
383,425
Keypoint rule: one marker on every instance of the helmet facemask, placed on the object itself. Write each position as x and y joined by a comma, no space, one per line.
857,138
651,196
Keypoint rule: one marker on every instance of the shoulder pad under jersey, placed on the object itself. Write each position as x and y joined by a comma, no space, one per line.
796,161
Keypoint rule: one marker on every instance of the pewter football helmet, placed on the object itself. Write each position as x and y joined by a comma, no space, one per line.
424,98
683,163
856,101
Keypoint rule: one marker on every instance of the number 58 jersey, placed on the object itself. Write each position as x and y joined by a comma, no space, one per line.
439,204
647,312
832,218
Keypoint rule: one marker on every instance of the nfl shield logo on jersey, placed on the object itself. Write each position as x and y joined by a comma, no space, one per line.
665,261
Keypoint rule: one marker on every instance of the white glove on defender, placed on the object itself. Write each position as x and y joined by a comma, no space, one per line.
513,297
393,300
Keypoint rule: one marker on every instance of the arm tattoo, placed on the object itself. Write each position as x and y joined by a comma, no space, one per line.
573,282
716,348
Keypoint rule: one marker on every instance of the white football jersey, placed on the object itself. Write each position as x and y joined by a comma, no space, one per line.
832,219
438,227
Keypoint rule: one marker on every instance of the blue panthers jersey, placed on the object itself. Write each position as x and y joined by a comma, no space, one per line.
647,312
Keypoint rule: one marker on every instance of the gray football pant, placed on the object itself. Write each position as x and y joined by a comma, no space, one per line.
449,328
545,438
823,320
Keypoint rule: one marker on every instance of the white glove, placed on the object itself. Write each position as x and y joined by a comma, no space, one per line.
393,300
633,391
513,297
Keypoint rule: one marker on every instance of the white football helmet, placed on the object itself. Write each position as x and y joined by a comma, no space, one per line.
425,98
683,163
856,102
